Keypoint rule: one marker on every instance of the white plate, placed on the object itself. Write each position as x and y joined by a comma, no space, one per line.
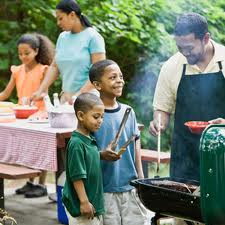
38,121
6,114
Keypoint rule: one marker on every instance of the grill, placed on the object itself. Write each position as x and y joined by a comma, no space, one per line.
172,201
182,202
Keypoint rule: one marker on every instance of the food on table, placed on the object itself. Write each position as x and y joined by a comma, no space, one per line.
6,104
7,115
7,120
6,110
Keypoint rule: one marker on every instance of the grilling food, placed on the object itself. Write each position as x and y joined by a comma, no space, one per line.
188,188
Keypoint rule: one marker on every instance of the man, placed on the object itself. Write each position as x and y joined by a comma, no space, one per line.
192,83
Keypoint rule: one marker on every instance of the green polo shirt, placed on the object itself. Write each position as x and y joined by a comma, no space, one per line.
83,162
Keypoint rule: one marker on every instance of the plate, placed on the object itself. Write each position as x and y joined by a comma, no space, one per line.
6,114
196,127
38,121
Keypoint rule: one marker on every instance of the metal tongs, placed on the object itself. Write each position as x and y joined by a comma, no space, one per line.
124,147
121,128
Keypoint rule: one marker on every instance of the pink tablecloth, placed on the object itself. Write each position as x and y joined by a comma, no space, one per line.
31,145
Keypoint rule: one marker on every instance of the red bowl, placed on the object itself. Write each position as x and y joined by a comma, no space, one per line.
196,127
23,112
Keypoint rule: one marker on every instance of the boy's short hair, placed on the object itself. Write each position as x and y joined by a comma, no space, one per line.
86,101
191,23
97,69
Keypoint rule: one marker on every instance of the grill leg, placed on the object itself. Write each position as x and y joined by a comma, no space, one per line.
145,168
2,200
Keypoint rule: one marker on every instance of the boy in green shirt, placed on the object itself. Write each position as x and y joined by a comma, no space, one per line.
83,191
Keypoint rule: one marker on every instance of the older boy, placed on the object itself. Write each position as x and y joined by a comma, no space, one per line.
122,204
83,192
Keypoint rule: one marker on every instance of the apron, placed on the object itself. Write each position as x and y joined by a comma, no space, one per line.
200,98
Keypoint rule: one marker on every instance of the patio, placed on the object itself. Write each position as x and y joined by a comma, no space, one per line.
33,211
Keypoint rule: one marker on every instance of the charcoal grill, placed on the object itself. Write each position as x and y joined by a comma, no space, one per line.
210,207
169,202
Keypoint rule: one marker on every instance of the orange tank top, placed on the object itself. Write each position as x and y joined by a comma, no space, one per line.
28,82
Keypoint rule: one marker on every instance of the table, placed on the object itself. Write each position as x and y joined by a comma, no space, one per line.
32,144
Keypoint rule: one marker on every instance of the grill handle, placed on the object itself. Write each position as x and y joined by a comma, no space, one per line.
134,183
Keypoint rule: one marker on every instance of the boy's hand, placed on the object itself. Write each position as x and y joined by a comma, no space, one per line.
109,154
87,209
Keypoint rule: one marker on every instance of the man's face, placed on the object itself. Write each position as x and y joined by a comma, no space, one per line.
191,47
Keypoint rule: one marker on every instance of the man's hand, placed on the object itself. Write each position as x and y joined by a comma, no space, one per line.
87,209
154,126
217,121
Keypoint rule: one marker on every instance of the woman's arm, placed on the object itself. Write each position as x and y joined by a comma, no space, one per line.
138,162
51,75
86,208
8,90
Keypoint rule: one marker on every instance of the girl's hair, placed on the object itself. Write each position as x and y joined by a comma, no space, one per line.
97,69
68,6
46,49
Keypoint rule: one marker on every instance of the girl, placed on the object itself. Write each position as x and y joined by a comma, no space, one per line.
36,53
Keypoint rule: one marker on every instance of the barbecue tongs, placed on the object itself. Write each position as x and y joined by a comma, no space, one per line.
124,147
121,128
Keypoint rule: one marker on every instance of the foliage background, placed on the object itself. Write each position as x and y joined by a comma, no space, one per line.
138,35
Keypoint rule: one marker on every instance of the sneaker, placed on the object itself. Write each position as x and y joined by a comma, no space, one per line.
27,187
37,191
52,197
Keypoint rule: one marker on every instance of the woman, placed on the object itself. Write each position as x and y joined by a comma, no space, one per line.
78,46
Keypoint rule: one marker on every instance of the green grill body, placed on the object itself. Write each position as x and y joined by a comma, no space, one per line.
212,175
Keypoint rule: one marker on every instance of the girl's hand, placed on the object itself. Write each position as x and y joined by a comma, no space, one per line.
37,96
87,209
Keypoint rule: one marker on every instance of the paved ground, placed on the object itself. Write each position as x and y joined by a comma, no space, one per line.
35,211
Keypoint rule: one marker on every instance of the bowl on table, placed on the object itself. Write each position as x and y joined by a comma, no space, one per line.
196,127
62,117
24,111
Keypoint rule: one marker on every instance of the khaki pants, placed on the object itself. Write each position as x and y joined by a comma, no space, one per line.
124,209
81,220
